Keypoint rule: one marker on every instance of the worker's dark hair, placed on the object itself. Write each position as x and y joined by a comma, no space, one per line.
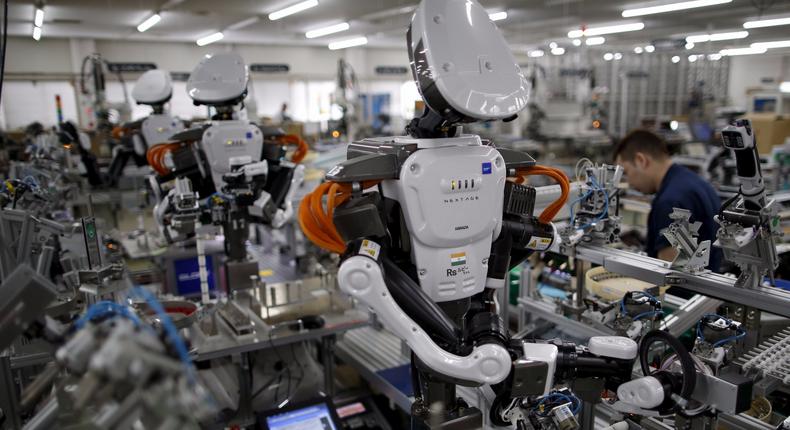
641,140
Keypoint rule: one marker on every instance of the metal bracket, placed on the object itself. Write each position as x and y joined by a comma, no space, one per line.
692,257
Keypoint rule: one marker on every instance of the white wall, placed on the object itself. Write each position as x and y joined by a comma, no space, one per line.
748,71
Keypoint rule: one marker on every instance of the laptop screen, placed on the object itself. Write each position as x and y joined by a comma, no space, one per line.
314,417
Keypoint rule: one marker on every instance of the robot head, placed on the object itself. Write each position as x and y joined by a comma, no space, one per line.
219,80
153,88
462,65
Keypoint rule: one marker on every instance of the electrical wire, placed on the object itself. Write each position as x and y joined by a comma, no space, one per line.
104,309
739,333
551,211
605,211
169,328
156,156
565,398
301,147
317,223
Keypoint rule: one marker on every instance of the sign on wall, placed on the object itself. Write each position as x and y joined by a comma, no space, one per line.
391,70
269,68
130,67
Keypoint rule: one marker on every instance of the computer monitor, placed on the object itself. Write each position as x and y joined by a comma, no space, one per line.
316,415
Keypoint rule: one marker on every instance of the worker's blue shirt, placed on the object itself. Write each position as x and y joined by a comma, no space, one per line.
684,189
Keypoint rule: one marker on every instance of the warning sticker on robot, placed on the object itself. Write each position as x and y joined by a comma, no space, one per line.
370,248
539,243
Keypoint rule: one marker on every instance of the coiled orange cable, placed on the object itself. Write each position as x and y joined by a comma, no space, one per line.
156,157
317,223
559,176
301,147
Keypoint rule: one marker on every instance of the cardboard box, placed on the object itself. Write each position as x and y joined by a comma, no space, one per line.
770,130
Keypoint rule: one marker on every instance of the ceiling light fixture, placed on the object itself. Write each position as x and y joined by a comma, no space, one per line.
244,23
290,10
323,31
348,43
716,37
497,16
593,41
638,50
772,45
742,51
692,58
558,51
149,22
36,33
650,48
785,87
618,56
211,38
536,53
672,7
38,18
766,22
689,45
675,59
576,42
714,57
609,29
608,56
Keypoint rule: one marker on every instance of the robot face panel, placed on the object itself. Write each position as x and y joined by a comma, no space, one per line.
153,87
461,62
218,79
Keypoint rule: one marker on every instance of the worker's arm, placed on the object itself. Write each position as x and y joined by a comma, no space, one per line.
667,254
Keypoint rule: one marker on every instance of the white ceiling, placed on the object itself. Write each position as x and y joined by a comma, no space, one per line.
530,22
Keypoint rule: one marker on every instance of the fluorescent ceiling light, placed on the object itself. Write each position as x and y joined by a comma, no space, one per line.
715,37
618,56
771,45
650,48
692,58
714,57
497,16
675,59
576,42
609,29
36,33
536,53
244,23
608,56
689,45
785,87
638,50
323,31
148,23
592,41
558,51
38,19
553,45
348,43
290,10
766,22
211,38
742,51
672,7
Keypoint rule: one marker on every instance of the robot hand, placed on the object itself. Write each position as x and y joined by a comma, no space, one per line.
177,214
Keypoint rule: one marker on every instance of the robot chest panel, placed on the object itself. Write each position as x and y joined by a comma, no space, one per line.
228,140
158,128
452,195
452,202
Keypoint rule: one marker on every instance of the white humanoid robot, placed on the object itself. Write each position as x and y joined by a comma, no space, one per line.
154,88
229,172
448,218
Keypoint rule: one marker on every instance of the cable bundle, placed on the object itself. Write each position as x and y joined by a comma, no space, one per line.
301,146
156,156
554,208
317,223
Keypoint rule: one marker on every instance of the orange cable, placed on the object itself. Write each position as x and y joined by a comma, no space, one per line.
554,208
317,223
301,147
